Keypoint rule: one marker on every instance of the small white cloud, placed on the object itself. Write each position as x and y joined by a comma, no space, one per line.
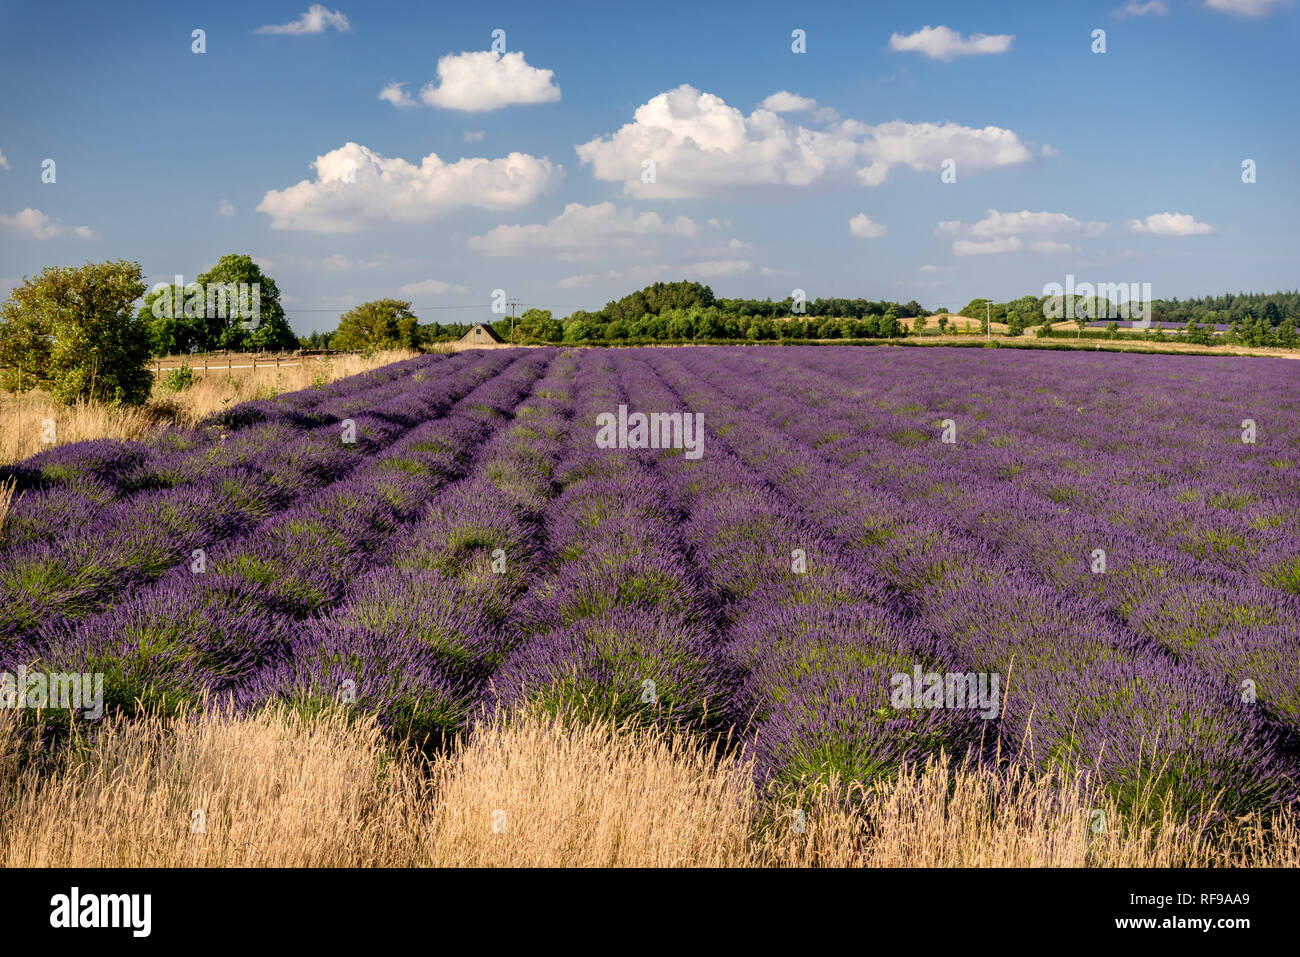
948,226
1135,8
1051,246
431,287
485,80
965,247
395,93
336,263
1050,150
944,43
35,224
316,20
786,102
1246,8
473,136
1170,224
226,208
4,162
1010,224
862,227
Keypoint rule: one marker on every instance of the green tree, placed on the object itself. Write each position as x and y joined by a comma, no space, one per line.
71,331
536,325
918,325
268,330
1286,333
379,324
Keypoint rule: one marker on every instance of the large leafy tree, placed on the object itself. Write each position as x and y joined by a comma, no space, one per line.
379,324
71,332
269,331
212,314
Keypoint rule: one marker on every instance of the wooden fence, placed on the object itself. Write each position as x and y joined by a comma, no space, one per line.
202,364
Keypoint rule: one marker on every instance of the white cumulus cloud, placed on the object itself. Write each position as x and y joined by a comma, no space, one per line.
35,224
1135,8
227,208
786,102
862,227
1170,224
703,147
966,247
317,19
434,287
485,80
1041,223
356,188
584,231
395,93
1246,8
944,43
4,162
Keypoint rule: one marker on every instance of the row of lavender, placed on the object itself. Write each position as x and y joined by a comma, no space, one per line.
56,565
213,626
1079,686
1238,629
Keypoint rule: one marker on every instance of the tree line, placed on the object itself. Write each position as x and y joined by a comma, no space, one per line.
77,333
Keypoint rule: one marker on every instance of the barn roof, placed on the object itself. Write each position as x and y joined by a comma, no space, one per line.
480,333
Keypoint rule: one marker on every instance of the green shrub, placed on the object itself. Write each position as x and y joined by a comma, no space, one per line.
179,379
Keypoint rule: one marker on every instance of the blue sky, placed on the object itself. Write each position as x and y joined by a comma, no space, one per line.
773,170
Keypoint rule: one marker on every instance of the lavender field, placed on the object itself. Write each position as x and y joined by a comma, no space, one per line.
1105,540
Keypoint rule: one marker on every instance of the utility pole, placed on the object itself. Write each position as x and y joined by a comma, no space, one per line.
513,303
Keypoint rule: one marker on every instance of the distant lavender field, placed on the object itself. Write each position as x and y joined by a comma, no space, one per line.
1090,530
1167,326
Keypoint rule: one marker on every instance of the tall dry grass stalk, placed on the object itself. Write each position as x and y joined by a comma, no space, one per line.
24,416
280,790
6,499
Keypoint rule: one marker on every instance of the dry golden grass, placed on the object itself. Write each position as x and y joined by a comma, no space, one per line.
6,499
540,791
279,790
272,791
24,416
